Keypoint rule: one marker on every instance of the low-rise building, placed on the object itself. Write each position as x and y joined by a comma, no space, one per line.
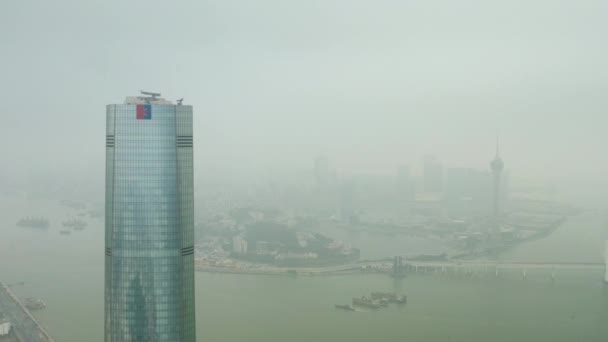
5,327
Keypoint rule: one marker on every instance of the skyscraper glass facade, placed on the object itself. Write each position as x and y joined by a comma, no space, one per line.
149,262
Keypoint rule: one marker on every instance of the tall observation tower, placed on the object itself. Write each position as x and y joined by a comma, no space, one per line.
497,165
606,263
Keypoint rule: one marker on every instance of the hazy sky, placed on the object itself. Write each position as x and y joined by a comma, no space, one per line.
274,83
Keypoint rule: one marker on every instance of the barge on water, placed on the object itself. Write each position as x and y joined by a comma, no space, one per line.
75,223
34,222
34,303
390,297
367,303
345,307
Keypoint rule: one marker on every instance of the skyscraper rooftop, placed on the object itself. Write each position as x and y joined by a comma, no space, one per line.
147,98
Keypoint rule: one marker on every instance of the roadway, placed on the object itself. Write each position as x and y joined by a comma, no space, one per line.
26,328
510,265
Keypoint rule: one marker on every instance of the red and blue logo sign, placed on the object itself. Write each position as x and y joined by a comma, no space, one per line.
144,112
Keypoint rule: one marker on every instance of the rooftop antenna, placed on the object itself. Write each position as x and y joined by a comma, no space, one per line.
153,95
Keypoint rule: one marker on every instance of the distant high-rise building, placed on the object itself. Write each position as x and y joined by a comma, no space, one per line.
468,191
239,245
149,237
497,166
403,172
433,175
322,172
348,201
505,188
405,185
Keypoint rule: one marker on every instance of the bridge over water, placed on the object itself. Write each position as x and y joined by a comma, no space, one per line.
509,265
470,267
459,265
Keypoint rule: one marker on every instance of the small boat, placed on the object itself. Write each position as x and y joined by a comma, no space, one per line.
400,300
34,304
34,222
75,223
366,302
383,295
389,297
345,307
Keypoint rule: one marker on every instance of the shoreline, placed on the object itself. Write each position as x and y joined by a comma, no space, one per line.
287,272
454,268
371,266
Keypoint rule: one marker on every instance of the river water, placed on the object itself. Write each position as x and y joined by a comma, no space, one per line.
67,272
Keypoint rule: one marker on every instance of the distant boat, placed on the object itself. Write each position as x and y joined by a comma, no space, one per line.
73,204
345,307
77,224
34,304
34,222
389,297
366,302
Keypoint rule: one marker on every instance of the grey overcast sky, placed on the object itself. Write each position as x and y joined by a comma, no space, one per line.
370,84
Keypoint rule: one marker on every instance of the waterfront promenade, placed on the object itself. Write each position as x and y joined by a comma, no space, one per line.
25,327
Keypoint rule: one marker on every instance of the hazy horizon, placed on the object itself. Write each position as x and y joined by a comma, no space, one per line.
275,84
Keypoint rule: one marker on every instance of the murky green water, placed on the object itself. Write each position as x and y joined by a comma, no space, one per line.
67,271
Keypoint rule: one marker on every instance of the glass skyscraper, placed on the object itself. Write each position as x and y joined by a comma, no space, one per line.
149,238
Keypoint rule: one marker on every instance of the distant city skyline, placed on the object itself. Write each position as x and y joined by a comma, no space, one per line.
367,93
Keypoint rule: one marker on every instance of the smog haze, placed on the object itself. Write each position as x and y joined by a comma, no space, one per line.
370,85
